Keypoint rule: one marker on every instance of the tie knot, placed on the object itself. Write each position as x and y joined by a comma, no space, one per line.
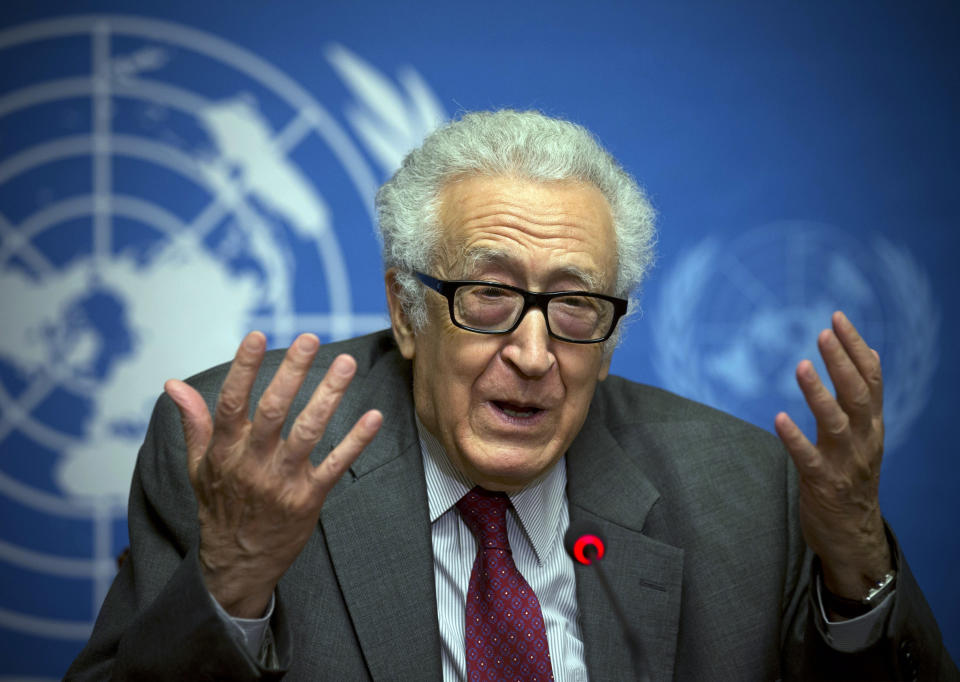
485,513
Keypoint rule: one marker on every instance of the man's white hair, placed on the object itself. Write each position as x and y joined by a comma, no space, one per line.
525,144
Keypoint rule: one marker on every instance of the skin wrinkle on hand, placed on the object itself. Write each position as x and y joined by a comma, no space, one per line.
839,476
259,497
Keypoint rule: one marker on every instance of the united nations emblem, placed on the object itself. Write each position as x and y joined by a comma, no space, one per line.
733,320
162,195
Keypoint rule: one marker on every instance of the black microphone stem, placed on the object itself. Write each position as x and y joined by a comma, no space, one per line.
633,642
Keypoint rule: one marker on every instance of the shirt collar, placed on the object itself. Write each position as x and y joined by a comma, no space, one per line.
538,506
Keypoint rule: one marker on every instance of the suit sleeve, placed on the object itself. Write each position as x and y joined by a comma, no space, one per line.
158,621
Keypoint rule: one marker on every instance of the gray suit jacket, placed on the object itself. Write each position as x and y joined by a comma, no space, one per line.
697,508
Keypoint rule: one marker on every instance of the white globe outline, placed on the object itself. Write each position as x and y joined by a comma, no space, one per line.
685,374
907,337
309,116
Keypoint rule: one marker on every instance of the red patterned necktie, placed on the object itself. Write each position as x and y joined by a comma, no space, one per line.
506,638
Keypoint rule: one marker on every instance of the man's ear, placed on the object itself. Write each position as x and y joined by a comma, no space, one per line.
399,323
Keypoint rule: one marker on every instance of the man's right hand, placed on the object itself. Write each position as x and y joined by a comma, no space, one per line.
259,496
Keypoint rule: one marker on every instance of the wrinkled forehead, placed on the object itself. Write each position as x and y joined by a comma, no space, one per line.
505,223
473,260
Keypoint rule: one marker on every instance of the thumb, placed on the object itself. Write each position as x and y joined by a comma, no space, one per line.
196,421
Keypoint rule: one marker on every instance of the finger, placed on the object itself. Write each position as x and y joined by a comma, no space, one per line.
233,404
195,418
274,404
865,358
804,454
853,394
832,421
312,420
329,471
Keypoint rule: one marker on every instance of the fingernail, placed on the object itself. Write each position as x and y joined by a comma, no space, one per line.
308,343
253,342
342,366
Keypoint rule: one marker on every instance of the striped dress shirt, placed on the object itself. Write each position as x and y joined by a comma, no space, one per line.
535,527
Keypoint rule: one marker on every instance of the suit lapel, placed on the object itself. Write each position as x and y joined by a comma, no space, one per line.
377,530
606,488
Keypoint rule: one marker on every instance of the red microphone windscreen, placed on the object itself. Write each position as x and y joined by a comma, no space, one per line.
580,538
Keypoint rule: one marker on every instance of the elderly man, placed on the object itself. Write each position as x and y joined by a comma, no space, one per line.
415,531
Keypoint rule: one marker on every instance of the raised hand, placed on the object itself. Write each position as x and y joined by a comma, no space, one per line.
839,476
259,496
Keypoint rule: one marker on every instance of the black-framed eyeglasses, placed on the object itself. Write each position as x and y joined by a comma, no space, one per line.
494,308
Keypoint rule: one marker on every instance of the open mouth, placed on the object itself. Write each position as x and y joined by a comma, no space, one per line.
517,411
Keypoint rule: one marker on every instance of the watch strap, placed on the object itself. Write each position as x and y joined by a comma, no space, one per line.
852,608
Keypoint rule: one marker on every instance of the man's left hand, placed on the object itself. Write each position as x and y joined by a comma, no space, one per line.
839,504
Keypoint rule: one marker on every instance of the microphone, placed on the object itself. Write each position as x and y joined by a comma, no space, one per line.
585,545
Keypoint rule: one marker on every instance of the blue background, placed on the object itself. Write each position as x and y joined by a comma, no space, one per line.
733,115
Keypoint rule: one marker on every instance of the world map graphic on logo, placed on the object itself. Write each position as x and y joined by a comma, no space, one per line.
158,203
734,319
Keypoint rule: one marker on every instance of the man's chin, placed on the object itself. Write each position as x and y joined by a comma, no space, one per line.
510,468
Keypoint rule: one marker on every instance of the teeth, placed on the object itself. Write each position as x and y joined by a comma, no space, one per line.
519,413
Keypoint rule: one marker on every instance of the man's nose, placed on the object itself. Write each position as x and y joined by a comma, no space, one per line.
528,346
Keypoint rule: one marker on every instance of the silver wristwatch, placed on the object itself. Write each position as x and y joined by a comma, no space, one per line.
851,608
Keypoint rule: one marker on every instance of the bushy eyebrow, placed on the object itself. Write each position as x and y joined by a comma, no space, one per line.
471,260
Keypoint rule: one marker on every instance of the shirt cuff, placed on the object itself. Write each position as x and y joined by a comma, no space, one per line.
250,632
856,634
